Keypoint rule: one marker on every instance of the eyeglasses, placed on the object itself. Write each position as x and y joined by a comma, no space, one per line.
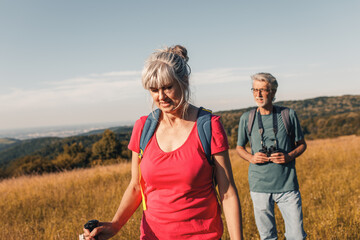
256,90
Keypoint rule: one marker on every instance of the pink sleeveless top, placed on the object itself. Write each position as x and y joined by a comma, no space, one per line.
180,197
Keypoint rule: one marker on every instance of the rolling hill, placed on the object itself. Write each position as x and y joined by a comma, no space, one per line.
321,117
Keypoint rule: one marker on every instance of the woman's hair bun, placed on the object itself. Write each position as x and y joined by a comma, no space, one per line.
179,50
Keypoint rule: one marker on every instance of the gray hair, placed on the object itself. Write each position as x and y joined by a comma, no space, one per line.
166,66
266,77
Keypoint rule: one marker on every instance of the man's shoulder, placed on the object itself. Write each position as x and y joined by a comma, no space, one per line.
282,108
245,115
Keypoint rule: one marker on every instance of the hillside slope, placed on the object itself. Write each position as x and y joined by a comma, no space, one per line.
55,206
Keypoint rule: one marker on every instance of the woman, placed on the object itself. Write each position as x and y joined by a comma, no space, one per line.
176,177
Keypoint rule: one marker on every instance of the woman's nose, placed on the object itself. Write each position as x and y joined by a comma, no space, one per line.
161,94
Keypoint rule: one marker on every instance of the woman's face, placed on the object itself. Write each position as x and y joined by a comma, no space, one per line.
167,98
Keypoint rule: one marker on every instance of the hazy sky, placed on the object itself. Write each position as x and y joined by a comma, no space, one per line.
80,61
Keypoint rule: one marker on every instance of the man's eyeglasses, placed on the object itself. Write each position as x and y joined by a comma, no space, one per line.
256,90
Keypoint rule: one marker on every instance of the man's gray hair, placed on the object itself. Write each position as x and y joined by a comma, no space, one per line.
266,77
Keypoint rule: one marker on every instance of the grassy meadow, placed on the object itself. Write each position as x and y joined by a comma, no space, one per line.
55,206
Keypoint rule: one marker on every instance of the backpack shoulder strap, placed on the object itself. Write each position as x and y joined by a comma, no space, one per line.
204,130
286,118
205,134
146,134
250,123
148,130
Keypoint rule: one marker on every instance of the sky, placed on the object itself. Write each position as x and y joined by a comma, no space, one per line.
80,61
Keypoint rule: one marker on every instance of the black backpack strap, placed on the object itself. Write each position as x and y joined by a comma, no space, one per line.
204,130
250,123
148,130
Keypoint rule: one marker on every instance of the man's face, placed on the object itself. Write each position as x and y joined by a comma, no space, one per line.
263,94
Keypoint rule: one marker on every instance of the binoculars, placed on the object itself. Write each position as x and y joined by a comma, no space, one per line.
269,151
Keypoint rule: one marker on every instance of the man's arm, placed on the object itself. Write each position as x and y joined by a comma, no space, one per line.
281,158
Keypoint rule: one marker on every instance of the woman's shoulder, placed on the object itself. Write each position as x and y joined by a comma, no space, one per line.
214,118
139,123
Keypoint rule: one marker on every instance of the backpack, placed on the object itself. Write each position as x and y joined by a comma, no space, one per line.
204,131
284,111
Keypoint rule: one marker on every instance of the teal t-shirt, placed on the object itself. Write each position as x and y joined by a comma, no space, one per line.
271,177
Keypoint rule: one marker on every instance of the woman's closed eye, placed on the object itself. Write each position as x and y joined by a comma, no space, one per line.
154,90
167,87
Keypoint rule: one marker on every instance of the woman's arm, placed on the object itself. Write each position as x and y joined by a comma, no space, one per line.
128,205
228,194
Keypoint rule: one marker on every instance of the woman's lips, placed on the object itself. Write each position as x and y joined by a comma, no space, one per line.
164,104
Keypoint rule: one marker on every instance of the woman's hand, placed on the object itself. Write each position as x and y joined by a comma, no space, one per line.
129,203
104,231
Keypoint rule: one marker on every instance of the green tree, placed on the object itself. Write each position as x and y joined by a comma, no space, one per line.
108,147
29,165
73,156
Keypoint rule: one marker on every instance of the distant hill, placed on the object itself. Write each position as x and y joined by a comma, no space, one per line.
7,142
118,130
324,106
49,147
25,147
56,154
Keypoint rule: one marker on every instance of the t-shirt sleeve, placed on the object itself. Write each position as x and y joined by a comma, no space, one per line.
242,136
219,141
134,144
299,135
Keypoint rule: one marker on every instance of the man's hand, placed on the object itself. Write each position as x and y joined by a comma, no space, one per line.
259,158
280,158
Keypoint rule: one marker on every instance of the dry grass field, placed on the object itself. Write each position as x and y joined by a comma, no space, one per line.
55,206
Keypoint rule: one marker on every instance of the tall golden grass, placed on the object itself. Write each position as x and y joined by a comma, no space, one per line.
55,206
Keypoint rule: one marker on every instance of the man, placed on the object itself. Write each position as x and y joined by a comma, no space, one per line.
272,174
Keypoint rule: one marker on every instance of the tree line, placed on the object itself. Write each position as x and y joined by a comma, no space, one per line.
109,149
322,117
313,128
